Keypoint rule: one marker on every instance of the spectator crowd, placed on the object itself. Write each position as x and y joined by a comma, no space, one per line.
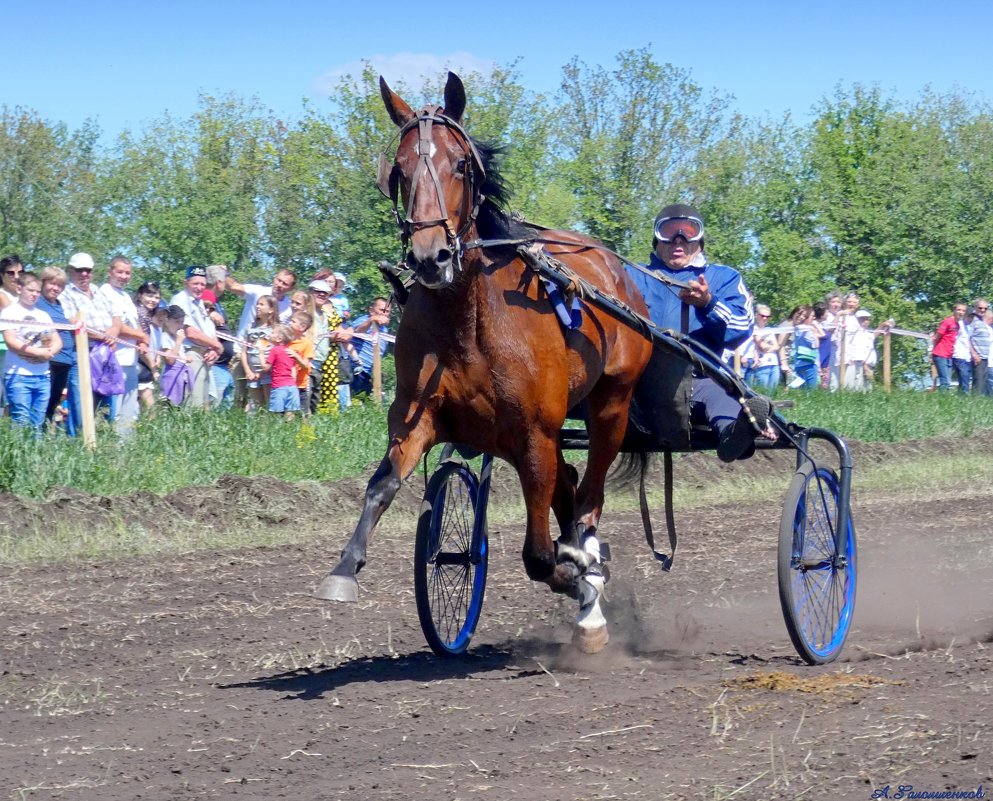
832,344
294,350
298,350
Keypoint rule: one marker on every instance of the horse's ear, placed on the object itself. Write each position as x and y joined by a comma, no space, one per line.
398,109
454,97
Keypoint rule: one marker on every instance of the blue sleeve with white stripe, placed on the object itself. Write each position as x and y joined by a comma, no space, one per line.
729,318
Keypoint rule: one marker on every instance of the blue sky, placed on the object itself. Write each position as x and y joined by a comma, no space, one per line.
127,63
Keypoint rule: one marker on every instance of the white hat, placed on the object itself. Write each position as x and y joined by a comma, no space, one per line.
81,261
340,277
861,313
320,285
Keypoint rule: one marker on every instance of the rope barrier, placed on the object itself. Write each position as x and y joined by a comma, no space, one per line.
789,329
366,337
230,338
10,325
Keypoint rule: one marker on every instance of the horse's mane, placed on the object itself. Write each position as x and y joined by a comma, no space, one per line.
494,220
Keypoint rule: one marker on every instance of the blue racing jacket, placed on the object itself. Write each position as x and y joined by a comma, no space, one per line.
727,320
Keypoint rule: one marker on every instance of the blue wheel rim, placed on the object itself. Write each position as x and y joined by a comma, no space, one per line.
456,577
823,593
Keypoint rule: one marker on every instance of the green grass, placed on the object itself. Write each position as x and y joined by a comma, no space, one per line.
180,448
916,479
894,417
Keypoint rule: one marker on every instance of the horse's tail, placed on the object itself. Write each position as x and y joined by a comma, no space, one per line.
628,469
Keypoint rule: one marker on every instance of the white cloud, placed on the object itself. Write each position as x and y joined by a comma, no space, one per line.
411,68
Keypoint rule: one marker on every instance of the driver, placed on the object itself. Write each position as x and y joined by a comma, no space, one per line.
716,311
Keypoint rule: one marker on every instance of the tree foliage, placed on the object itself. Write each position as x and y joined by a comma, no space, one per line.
187,191
51,188
631,141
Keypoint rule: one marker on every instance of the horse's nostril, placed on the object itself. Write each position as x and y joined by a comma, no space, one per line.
429,266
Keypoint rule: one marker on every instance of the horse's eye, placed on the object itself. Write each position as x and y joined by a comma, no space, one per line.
460,167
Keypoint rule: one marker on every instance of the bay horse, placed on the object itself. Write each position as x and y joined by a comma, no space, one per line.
482,359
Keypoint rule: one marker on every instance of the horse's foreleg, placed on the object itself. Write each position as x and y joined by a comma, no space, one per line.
400,460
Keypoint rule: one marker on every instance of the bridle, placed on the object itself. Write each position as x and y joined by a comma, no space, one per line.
474,173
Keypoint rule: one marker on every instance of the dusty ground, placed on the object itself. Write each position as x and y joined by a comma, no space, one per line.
216,675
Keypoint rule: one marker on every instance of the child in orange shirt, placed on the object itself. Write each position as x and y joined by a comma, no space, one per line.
302,350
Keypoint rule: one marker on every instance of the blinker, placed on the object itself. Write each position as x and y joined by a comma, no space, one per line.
384,174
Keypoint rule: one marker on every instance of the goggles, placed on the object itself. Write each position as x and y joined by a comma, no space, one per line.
689,228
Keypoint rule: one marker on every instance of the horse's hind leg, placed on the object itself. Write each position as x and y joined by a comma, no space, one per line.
545,482
401,458
608,422
564,499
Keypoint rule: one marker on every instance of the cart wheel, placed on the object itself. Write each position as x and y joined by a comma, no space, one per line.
816,585
449,577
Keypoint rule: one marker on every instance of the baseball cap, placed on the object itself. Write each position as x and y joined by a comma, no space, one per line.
320,285
340,277
196,270
862,313
208,296
80,261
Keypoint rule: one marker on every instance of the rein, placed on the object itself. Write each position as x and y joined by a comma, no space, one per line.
544,240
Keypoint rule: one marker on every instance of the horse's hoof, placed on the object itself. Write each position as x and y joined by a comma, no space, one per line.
338,588
590,641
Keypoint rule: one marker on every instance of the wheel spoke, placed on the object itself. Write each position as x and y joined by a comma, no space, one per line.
452,583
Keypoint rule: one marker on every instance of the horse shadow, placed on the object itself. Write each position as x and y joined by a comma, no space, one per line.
309,684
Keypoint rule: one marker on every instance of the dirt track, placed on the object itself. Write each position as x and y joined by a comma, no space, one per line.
215,675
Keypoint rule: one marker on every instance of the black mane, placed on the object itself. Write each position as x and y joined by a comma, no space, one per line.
494,220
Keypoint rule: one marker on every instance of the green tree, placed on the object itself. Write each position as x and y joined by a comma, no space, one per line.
790,263
944,204
632,140
322,207
903,196
187,191
50,189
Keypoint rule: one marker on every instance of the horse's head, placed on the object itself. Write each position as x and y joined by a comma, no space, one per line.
436,180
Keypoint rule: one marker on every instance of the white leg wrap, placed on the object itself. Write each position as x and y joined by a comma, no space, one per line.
590,634
590,616
574,555
592,546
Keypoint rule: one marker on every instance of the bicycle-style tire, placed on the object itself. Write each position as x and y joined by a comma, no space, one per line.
816,589
449,578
